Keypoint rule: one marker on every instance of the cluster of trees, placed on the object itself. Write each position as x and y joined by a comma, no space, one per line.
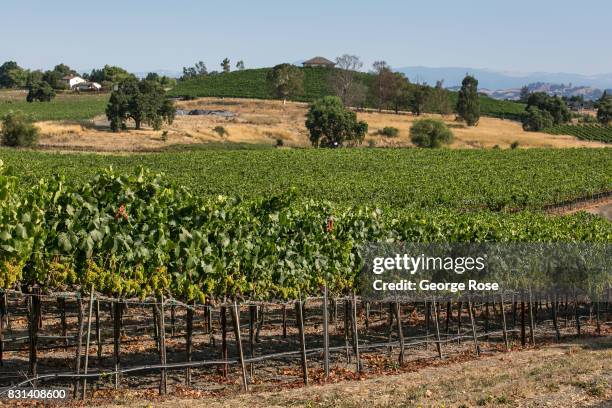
544,111
142,101
384,88
199,69
604,109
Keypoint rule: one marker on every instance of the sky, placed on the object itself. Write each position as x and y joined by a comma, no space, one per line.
516,35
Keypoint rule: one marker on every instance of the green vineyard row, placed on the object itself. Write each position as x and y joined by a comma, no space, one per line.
585,132
386,178
139,235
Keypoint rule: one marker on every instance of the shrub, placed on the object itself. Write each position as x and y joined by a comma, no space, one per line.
332,125
40,91
280,142
164,136
220,130
18,131
514,145
537,119
388,131
430,133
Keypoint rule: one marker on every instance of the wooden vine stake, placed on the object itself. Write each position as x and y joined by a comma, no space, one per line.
437,322
79,350
162,348
224,340
98,332
189,343
33,332
91,300
400,331
117,339
61,303
236,321
300,324
503,316
325,333
252,321
471,313
355,335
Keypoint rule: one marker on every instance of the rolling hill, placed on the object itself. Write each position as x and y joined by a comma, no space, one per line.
251,83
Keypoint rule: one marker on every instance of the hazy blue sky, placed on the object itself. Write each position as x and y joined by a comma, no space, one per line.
517,35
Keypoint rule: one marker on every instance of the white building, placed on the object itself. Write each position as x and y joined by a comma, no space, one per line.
73,80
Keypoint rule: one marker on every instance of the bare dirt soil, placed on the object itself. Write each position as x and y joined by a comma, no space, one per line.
266,122
574,374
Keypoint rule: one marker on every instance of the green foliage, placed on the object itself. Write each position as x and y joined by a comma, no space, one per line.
585,132
468,102
18,131
197,71
109,75
554,105
141,101
40,91
139,235
604,112
332,125
389,178
389,131
285,81
430,133
12,75
419,98
63,107
536,119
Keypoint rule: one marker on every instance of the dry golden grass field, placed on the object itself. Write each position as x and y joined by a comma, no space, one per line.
264,122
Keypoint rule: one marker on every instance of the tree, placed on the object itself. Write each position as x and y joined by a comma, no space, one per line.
225,65
198,70
537,119
554,105
468,102
40,91
604,112
383,85
344,82
285,81
420,97
141,101
12,75
240,65
332,125
18,131
109,75
524,94
438,100
164,81
402,92
430,133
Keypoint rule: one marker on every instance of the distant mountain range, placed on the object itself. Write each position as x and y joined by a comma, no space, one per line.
507,85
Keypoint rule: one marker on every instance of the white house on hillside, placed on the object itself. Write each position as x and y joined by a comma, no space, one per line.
73,80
